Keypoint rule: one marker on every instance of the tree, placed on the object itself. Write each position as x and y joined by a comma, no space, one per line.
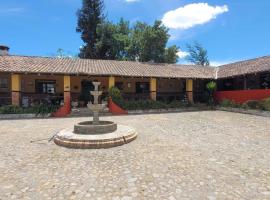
197,54
106,40
113,40
211,88
171,54
89,16
148,43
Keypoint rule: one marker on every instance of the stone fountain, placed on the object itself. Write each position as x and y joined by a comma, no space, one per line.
95,134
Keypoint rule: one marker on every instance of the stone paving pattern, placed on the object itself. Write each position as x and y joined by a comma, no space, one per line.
195,155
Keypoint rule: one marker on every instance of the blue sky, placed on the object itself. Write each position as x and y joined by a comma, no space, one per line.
230,30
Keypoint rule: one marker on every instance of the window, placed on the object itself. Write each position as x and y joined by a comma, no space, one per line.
265,81
3,83
142,87
119,85
45,87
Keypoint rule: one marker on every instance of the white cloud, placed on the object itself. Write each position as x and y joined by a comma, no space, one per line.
182,54
192,14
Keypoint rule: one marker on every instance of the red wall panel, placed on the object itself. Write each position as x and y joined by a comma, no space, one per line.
242,96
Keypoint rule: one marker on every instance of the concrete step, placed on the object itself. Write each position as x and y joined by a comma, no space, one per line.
84,112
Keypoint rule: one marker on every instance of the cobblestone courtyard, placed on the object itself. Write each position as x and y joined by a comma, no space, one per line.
195,155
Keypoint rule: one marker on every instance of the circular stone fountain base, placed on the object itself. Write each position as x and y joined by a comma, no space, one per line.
88,128
123,135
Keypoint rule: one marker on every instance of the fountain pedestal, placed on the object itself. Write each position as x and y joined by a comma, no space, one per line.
95,134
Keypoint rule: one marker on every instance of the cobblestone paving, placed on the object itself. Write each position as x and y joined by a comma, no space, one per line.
195,155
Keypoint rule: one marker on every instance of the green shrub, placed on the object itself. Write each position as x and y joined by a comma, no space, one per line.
11,110
227,103
211,88
254,104
41,109
116,96
149,104
266,104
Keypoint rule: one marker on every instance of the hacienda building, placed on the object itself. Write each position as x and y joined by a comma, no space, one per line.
28,79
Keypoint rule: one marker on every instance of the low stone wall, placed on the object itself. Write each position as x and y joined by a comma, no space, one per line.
245,111
22,116
170,110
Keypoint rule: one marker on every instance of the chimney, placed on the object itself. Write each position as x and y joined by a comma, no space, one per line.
4,50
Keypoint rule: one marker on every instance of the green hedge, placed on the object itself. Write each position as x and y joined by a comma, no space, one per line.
149,104
251,104
38,109
117,98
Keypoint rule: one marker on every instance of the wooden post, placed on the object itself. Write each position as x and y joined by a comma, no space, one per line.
189,90
111,81
16,89
153,89
67,95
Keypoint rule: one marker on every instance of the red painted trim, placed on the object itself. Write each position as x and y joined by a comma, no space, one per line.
115,109
242,96
66,108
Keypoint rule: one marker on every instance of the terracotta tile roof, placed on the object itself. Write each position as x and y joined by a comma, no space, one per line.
30,64
256,65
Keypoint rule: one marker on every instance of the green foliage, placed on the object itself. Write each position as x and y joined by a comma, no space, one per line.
266,104
89,16
226,103
254,104
149,42
113,40
197,54
211,88
150,104
107,40
41,109
116,96
171,54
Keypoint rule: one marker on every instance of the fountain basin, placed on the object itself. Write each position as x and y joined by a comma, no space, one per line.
89,128
123,135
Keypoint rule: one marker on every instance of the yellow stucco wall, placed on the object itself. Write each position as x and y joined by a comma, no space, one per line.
153,84
76,82
8,77
153,88
129,84
189,85
16,82
111,81
170,85
67,84
28,82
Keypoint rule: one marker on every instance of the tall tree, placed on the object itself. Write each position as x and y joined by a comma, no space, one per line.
171,54
113,40
148,43
89,16
197,54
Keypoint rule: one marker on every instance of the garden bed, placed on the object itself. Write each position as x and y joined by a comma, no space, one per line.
23,116
245,111
169,110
